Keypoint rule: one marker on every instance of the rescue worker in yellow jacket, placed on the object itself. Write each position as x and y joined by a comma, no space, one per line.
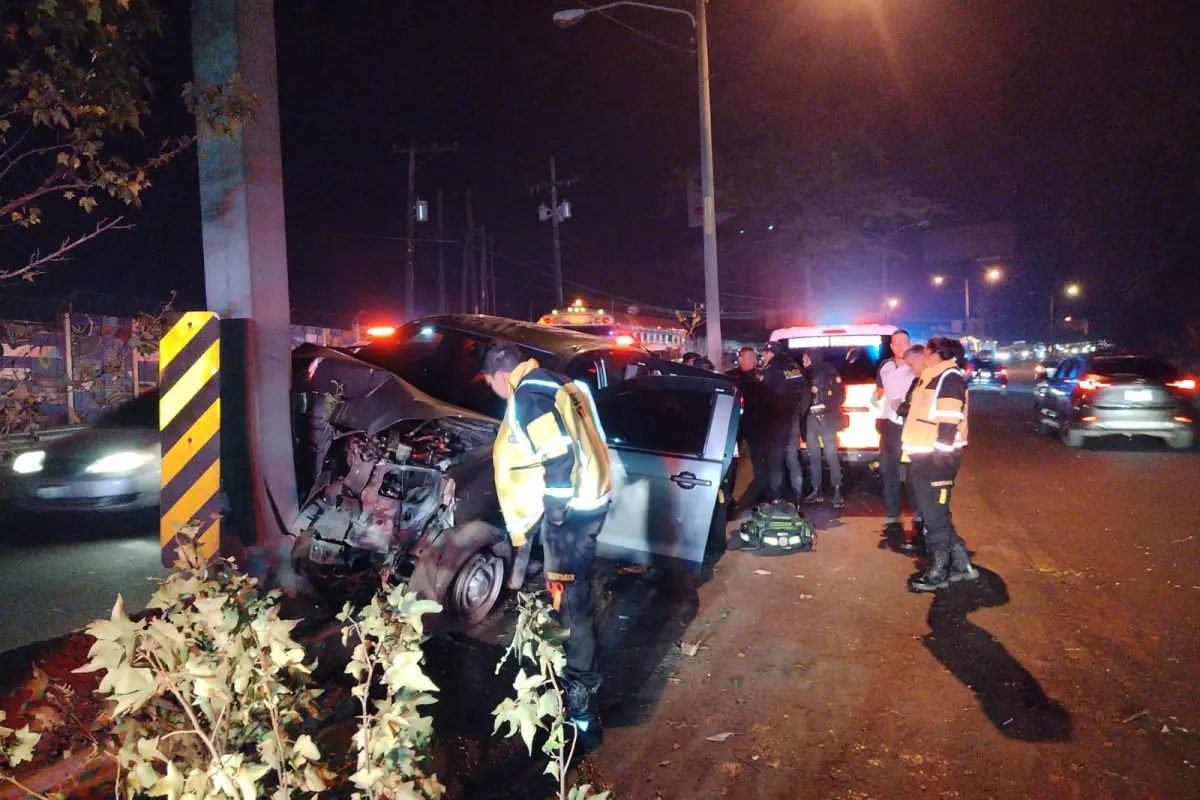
553,478
934,435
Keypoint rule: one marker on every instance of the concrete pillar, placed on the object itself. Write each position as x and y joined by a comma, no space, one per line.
245,267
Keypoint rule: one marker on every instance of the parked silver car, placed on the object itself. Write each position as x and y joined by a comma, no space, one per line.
114,466
1090,396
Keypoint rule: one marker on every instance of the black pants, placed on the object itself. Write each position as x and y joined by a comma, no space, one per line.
822,431
890,470
570,549
933,483
760,449
783,448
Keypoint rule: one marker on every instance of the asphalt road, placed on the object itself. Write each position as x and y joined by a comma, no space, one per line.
1070,669
58,573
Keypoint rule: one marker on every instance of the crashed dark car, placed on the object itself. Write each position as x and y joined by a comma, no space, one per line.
394,446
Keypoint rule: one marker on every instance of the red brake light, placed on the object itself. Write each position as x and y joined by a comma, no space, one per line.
1004,371
1187,384
1091,383
625,340
380,330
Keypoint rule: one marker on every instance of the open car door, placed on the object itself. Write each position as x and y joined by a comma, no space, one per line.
672,439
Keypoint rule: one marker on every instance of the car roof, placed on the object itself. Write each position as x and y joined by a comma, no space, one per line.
546,338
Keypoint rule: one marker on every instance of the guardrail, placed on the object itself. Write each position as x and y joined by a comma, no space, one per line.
16,443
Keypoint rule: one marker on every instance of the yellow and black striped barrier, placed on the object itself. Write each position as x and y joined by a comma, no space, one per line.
189,419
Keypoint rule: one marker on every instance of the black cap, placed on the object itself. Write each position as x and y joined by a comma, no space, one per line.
775,347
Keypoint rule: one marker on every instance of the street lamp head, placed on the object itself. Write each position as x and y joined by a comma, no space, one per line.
938,280
994,274
893,302
1073,290
572,16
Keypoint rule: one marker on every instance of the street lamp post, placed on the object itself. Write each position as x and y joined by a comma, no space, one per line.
712,293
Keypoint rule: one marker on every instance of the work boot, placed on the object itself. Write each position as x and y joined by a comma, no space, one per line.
838,500
961,568
583,718
936,574
813,497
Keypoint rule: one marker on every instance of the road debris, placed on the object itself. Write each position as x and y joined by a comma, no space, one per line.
762,572
1138,715
720,737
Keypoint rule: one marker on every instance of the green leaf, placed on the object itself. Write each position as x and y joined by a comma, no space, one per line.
93,13
22,751
306,748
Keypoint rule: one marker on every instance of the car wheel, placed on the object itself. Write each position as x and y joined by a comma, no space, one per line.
1182,442
477,586
1072,437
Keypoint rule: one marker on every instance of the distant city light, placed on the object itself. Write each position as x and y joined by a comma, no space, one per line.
770,227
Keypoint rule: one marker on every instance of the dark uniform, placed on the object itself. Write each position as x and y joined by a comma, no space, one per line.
786,395
823,422
553,475
751,429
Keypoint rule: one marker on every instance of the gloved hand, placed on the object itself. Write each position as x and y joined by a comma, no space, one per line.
555,510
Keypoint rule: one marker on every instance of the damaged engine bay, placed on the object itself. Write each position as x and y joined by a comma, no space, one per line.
386,491
393,481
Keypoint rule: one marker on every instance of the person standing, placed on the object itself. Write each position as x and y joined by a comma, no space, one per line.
934,435
823,422
786,394
553,476
753,422
892,383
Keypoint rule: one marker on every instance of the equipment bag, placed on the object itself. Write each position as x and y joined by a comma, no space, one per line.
779,525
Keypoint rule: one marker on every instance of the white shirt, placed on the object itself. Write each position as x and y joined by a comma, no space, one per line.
895,378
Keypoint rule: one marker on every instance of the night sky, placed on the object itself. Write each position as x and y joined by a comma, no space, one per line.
1077,121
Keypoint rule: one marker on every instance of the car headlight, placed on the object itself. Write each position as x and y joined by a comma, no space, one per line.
29,463
119,462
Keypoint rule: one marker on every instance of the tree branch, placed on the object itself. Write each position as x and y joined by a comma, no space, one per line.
37,261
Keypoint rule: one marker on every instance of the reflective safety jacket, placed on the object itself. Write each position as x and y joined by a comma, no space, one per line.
550,449
937,414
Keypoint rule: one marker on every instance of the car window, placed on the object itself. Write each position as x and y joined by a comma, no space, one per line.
141,412
585,368
1152,369
1064,369
616,363
660,420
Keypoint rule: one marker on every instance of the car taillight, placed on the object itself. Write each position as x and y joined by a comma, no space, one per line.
1004,371
1091,383
1187,384
625,340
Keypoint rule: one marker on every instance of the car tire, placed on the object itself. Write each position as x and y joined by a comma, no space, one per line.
476,587
1072,437
1039,424
1183,441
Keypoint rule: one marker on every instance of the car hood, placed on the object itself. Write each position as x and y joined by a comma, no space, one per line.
373,399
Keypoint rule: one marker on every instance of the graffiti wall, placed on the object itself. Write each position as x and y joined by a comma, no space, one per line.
74,372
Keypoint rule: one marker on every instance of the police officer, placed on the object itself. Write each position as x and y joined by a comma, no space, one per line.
824,420
786,394
553,476
935,432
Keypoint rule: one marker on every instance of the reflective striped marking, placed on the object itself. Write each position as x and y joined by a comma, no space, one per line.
189,418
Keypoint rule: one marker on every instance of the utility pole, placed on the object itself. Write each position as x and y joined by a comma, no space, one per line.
492,274
441,250
481,284
556,213
417,212
712,292
468,237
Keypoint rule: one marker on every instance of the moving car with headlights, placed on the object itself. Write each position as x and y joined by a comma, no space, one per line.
394,456
114,466
986,375
1092,396
856,352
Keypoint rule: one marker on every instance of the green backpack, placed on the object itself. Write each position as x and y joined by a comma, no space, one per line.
779,525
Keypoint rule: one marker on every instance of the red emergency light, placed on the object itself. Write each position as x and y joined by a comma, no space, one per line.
380,331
